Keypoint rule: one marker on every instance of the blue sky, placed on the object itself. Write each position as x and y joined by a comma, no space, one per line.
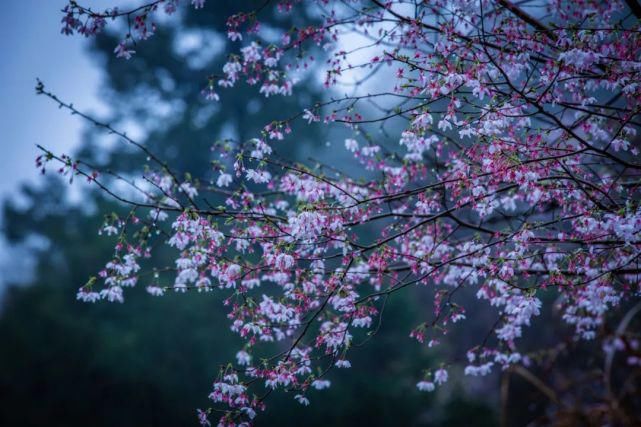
32,46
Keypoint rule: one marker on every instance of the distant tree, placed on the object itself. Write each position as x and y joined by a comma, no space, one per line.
495,154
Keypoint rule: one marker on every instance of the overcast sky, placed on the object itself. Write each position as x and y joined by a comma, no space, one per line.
32,46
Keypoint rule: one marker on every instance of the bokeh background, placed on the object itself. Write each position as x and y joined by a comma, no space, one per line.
152,361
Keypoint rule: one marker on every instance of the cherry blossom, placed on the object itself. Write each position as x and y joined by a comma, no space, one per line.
496,155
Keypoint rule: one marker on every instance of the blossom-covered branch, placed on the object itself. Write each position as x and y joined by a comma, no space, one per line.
494,149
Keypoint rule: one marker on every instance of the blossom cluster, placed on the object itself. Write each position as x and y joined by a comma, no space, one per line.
510,169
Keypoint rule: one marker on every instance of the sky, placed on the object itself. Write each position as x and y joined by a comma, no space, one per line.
33,47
